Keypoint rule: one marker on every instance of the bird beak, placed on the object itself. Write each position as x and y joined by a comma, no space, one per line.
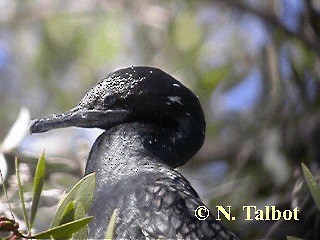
80,117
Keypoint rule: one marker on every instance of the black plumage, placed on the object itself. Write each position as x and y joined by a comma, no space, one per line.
153,124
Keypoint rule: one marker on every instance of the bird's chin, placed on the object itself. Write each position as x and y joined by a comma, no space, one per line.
80,117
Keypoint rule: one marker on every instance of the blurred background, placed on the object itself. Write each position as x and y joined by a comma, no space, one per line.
254,65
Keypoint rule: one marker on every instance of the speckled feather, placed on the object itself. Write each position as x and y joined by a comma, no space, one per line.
154,200
120,83
168,211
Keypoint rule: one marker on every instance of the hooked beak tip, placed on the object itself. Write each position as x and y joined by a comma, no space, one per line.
35,127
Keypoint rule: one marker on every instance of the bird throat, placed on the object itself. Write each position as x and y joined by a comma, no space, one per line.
126,150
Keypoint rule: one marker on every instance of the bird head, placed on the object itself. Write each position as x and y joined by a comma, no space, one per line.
134,94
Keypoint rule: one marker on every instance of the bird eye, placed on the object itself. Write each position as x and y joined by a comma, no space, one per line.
109,99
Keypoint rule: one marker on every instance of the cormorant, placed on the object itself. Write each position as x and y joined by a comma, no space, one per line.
153,124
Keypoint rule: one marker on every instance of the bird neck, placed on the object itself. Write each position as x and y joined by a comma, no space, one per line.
129,148
118,153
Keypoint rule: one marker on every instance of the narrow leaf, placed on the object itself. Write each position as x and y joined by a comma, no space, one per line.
20,189
68,214
65,230
312,184
112,225
37,186
80,213
82,193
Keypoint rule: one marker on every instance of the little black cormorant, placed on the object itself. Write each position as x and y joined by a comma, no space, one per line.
153,124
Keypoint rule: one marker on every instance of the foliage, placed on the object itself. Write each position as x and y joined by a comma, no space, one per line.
64,230
21,196
37,188
68,224
76,201
314,187
112,224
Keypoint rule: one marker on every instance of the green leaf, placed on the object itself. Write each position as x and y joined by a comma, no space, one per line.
312,184
68,214
65,230
80,213
37,186
82,193
20,189
112,224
